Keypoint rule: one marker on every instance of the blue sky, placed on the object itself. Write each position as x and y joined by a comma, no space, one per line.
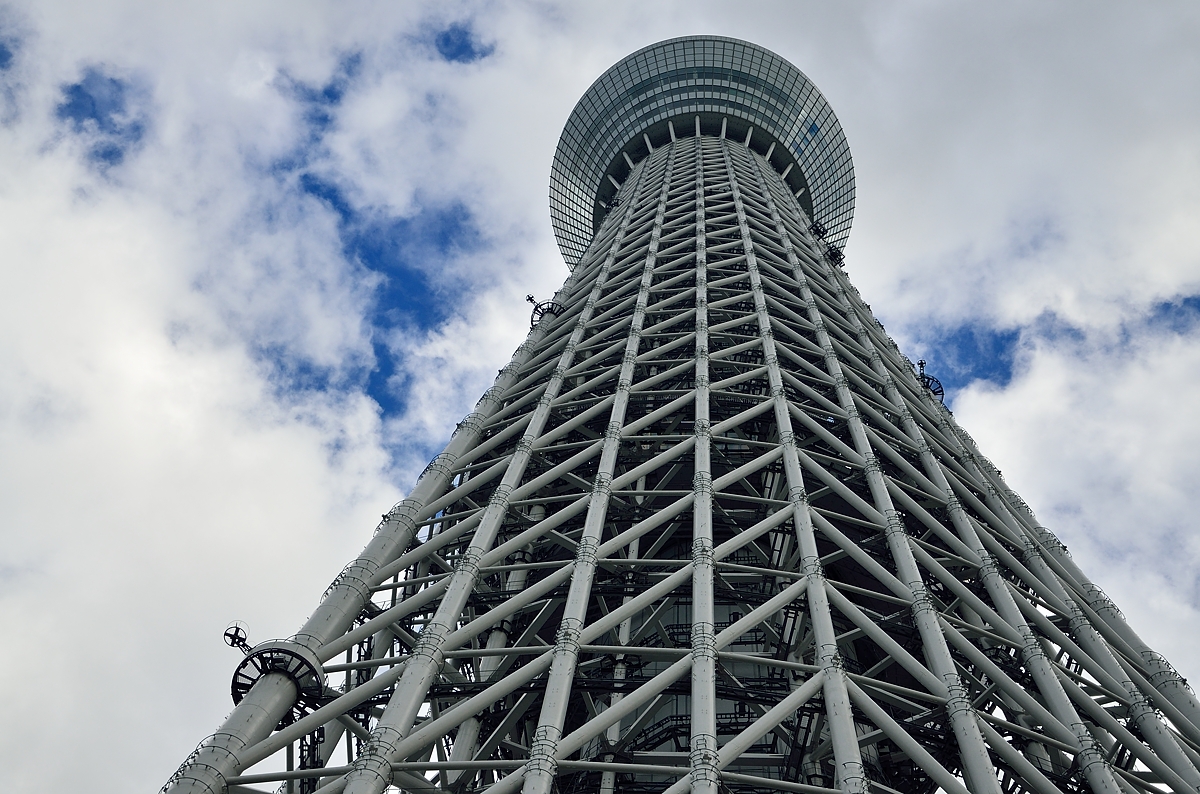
103,110
261,259
458,43
978,354
411,294
404,258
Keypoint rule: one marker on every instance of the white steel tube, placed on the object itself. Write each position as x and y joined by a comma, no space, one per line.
977,763
703,739
372,770
539,777
850,773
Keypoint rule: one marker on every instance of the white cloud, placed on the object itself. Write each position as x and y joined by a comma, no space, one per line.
1102,439
157,482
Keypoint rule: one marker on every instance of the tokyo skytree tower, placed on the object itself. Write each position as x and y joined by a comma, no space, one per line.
710,530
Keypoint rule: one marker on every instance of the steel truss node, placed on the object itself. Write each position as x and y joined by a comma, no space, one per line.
709,530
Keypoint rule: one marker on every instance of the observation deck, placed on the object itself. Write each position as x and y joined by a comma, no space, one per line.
732,85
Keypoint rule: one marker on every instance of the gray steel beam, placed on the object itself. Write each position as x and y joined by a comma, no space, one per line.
622,532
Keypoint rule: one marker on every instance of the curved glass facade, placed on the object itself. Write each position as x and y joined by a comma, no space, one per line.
708,84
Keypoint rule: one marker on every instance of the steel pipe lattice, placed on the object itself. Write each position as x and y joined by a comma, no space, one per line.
709,531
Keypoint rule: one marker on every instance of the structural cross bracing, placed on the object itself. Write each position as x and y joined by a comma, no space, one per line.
708,531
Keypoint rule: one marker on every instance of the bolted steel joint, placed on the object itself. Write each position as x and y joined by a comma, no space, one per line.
195,777
987,566
401,518
853,778
500,497
468,563
1099,601
957,701
922,602
472,424
541,753
375,761
829,657
587,551
872,468
1162,672
490,397
704,642
1031,647
201,770
430,644
602,485
1090,752
1050,540
703,758
566,639
355,576
442,465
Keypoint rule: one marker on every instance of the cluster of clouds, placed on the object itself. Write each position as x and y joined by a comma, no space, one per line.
259,259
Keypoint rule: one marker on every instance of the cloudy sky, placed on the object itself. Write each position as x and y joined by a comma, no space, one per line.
256,259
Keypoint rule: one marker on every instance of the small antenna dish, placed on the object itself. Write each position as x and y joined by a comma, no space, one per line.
236,636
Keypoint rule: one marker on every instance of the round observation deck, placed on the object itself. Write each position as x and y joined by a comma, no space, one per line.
730,85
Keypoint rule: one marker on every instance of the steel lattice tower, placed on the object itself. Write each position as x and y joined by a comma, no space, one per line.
709,529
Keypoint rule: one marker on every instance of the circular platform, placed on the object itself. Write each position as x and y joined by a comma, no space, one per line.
728,84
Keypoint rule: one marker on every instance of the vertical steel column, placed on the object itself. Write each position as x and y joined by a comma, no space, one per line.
1100,777
1094,653
467,738
977,764
1098,659
703,742
608,779
372,770
1062,692
849,772
274,694
1034,655
1093,758
542,766
1038,540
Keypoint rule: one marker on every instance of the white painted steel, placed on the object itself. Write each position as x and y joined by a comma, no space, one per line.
708,530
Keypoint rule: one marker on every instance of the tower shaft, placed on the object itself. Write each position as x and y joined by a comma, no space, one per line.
709,531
